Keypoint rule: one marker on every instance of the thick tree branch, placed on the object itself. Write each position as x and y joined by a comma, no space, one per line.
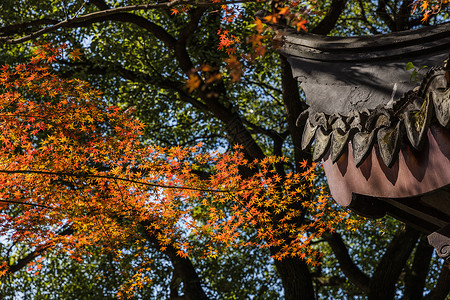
181,52
330,19
22,262
107,14
382,283
350,269
158,31
442,288
415,280
137,76
293,106
404,13
296,278
182,267
385,16
192,26
293,271
25,26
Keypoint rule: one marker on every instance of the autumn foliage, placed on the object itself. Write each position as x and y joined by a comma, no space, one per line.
292,14
430,8
76,173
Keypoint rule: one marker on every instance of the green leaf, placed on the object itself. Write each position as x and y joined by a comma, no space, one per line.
409,66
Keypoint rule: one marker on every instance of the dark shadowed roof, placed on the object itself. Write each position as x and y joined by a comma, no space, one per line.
405,120
341,74
358,89
383,135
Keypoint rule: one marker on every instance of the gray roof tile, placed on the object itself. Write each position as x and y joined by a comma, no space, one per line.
407,121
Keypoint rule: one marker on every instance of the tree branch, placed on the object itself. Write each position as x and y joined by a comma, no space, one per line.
330,19
384,15
38,251
415,280
382,283
107,14
350,269
85,175
442,288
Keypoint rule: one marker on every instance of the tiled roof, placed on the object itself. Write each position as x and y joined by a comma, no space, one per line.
358,90
366,116
389,126
342,74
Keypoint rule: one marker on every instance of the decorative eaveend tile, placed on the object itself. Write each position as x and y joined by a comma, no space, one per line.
309,132
339,142
362,146
417,123
385,125
322,144
440,240
388,139
441,103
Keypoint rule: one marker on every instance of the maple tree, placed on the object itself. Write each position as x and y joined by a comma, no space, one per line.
163,59
75,171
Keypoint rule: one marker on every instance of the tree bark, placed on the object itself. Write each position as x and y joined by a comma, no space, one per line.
415,280
382,283
293,107
183,269
350,269
296,278
442,288
329,21
294,272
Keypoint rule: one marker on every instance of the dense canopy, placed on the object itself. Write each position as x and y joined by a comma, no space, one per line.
193,94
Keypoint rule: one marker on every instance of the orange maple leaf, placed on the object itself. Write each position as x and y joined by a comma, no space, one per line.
283,10
193,82
272,18
424,5
259,24
75,54
300,24
303,164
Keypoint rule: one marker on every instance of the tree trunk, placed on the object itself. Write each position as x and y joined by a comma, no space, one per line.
296,279
294,272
